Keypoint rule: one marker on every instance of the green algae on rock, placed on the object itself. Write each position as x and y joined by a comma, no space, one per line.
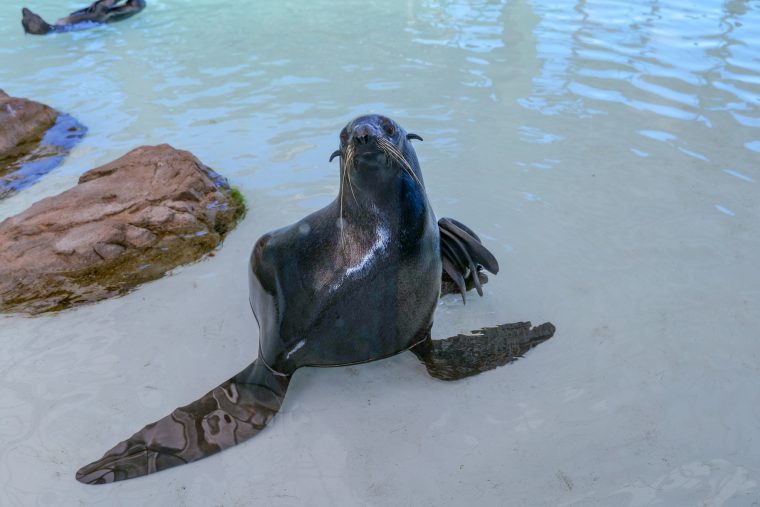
34,139
125,223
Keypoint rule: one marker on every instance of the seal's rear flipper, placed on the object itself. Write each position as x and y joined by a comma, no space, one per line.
231,413
488,348
34,24
463,257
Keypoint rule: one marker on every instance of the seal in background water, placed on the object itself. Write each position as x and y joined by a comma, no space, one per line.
356,281
102,11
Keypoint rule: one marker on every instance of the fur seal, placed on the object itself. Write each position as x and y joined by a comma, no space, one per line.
356,281
101,11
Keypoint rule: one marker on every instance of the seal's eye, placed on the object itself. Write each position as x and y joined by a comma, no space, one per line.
343,136
388,127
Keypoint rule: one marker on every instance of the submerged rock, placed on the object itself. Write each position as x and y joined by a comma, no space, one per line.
125,223
34,138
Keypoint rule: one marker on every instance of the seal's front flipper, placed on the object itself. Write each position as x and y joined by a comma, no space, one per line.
464,257
125,11
488,348
229,414
95,13
98,6
34,24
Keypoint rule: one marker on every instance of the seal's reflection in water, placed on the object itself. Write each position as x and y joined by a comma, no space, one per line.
354,282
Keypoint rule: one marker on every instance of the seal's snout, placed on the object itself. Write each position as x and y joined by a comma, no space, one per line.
364,134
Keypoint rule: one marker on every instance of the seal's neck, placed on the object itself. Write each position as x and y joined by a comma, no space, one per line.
389,195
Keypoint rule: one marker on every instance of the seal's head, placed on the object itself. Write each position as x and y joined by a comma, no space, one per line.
374,149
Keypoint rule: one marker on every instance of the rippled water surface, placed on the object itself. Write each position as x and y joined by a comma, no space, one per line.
607,151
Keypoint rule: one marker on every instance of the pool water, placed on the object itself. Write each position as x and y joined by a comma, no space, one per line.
608,153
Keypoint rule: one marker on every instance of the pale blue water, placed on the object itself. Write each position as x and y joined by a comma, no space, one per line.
609,154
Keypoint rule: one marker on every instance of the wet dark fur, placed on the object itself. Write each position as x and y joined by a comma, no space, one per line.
101,11
356,281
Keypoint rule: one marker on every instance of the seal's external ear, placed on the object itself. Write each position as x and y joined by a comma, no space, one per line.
336,153
413,136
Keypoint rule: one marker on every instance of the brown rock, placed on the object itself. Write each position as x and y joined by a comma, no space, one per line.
22,121
34,139
125,223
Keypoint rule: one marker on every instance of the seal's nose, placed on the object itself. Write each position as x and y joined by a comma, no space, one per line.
363,133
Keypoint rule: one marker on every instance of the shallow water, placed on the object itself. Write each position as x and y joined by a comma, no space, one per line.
609,155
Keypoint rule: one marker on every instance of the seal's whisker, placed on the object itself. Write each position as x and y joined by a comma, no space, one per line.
340,217
395,154
351,186
349,164
347,161
393,151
